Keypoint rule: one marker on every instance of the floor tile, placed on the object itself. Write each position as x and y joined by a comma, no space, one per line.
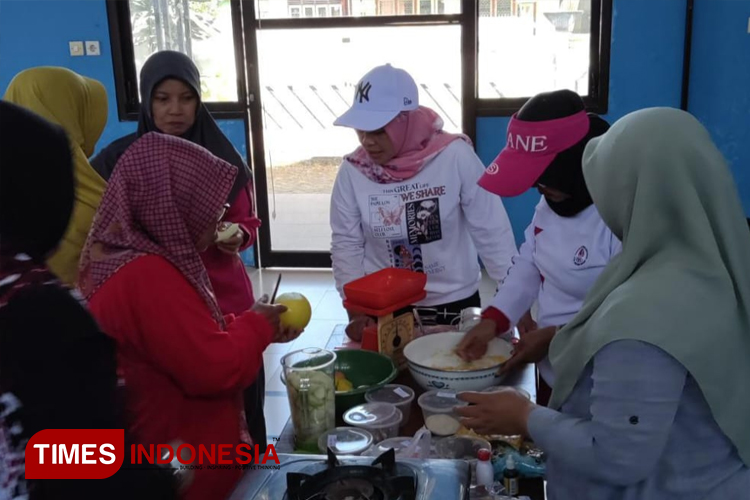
331,308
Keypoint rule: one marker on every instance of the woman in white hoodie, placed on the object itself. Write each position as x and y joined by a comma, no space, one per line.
408,197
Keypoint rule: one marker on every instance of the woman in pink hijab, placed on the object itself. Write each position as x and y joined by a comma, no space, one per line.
411,190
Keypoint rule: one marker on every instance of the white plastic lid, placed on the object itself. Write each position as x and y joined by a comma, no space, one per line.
501,387
345,441
440,401
392,394
372,415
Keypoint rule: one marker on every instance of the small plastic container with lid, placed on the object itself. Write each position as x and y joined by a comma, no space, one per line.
345,441
379,419
438,410
501,387
400,396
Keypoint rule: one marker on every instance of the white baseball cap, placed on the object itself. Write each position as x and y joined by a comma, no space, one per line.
379,97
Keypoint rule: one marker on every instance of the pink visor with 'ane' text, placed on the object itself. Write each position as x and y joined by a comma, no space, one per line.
530,149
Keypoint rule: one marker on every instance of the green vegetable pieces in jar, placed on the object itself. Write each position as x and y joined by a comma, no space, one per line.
313,406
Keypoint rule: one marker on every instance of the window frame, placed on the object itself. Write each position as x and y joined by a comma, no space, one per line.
126,76
596,101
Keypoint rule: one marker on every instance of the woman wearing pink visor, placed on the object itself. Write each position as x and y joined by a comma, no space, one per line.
567,244
408,197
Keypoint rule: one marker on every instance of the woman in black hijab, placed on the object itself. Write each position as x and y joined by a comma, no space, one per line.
171,104
57,369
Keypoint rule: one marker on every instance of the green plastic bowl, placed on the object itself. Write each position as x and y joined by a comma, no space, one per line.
365,370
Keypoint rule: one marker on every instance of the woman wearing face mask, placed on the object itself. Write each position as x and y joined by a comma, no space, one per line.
170,93
651,399
408,197
567,244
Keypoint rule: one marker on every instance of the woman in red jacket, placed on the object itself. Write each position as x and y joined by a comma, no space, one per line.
183,362
171,96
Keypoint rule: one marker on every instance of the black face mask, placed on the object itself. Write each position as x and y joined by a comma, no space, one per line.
565,174
569,207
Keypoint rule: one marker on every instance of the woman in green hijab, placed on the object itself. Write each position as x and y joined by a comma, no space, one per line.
652,392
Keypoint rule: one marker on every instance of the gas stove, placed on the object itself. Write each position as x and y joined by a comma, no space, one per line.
317,477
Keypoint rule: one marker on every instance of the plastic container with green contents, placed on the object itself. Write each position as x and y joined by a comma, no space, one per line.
308,376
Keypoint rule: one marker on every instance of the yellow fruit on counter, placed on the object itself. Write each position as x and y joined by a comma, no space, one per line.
298,312
339,375
343,385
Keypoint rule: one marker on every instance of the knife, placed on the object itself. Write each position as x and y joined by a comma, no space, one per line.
276,289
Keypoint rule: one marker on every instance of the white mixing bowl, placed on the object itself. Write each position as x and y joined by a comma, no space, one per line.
427,354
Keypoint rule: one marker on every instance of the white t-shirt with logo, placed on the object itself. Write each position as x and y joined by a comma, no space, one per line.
559,262
437,222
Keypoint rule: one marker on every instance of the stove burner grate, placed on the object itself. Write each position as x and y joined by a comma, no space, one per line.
379,481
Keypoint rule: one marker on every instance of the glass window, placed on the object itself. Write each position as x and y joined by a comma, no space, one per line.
202,29
542,46
278,9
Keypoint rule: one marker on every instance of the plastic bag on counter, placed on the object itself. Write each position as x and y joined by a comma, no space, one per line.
420,445
529,462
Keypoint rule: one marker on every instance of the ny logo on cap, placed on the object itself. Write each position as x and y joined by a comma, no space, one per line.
363,92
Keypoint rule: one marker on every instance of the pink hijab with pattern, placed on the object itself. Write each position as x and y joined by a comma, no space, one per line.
162,197
417,136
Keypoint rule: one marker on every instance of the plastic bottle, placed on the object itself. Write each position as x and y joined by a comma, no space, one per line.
485,472
510,477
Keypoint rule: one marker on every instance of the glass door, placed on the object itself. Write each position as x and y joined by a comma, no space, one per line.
304,58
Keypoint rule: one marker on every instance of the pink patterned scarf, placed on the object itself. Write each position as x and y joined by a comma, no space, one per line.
162,197
418,137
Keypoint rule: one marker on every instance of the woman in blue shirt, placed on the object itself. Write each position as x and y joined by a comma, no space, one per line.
651,399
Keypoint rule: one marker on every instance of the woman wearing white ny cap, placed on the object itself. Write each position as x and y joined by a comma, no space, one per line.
567,244
408,197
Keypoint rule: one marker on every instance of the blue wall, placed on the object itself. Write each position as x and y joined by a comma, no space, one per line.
646,69
720,81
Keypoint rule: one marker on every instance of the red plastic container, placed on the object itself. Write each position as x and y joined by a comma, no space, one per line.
370,339
385,288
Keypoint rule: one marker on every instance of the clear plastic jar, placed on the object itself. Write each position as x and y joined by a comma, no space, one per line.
308,376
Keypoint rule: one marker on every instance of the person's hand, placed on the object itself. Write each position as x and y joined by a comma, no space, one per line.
357,324
286,334
233,244
532,347
504,412
271,313
526,324
474,344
